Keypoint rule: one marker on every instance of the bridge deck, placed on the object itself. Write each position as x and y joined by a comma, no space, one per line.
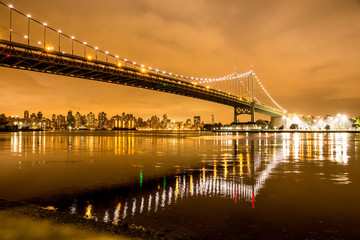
22,56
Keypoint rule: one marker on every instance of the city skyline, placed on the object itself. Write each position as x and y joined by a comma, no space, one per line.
338,95
101,121
49,115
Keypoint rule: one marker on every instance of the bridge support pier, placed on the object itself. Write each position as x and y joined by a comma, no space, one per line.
277,122
253,112
244,110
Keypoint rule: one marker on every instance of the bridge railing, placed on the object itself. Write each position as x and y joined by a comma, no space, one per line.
19,27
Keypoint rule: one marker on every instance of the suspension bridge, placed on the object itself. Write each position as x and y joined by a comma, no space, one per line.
29,44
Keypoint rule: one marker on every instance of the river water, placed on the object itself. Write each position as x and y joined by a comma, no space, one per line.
189,183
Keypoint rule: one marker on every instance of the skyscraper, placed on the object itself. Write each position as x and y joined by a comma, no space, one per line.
70,119
77,120
90,120
53,121
40,116
197,121
26,114
102,120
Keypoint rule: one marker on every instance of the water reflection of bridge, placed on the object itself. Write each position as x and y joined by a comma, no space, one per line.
193,185
238,177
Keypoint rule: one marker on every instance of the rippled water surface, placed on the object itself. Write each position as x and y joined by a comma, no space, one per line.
221,186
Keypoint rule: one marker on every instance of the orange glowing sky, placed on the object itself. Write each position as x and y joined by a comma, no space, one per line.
307,54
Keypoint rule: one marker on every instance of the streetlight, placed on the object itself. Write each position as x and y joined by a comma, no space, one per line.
116,59
28,35
72,45
59,31
96,49
45,25
10,7
84,48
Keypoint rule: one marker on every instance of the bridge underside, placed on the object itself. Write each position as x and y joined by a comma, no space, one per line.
21,56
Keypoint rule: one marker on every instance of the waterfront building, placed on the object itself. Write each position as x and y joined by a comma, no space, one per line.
77,120
39,116
197,121
53,121
26,114
102,120
61,122
90,120
33,118
70,119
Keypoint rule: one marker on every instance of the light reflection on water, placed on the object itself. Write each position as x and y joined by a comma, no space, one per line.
136,176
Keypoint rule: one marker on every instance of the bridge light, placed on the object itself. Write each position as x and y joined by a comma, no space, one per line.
119,64
143,70
25,36
10,6
149,68
106,52
45,24
59,31
84,43
142,65
207,87
72,37
96,48
117,56
39,42
89,57
125,60
134,63
29,16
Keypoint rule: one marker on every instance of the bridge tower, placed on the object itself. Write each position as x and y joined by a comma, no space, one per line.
247,109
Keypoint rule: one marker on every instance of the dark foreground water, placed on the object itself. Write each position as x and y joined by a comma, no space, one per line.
215,185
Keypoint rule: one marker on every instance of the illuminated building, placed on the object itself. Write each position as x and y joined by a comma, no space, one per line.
77,120
33,118
197,121
26,114
39,116
70,119
53,121
102,120
61,122
90,120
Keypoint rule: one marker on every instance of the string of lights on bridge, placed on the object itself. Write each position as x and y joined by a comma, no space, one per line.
143,68
267,93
